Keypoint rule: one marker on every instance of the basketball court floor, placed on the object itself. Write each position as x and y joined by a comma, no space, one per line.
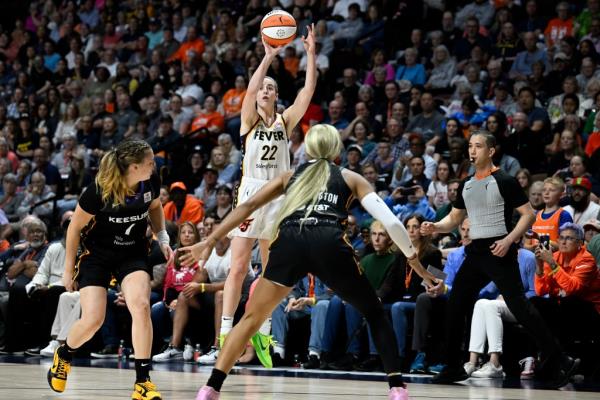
25,378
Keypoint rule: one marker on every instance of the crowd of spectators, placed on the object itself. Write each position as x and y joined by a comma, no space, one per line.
404,82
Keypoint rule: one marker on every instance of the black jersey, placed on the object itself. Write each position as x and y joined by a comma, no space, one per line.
332,203
122,227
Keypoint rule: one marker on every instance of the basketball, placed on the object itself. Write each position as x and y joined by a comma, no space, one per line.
278,28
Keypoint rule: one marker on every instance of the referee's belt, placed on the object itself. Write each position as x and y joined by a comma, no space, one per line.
311,221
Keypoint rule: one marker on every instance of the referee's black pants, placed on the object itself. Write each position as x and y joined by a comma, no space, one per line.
479,267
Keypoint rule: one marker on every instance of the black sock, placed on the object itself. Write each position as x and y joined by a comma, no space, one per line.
65,352
395,380
216,379
142,370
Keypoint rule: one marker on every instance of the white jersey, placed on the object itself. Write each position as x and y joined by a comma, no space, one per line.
265,153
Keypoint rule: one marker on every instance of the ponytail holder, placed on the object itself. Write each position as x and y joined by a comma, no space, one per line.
324,158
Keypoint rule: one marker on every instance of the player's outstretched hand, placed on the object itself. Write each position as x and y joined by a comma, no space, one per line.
309,40
198,252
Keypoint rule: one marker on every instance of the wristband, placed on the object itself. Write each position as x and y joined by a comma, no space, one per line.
445,289
163,237
202,287
314,300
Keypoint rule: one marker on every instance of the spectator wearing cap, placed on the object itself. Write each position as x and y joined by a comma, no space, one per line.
580,206
191,49
522,66
10,199
154,34
183,207
591,229
353,158
571,279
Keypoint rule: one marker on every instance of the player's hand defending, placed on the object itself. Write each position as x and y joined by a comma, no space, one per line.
428,228
309,40
198,252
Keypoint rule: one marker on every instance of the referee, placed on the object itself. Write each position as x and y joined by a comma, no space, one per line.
489,198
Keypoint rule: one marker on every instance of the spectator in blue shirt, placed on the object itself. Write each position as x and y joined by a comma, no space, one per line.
411,71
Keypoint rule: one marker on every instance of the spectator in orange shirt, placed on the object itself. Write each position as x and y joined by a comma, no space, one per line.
208,121
183,207
572,280
559,27
193,47
232,107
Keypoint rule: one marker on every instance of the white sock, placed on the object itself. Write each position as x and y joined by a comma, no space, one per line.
279,349
314,353
226,325
265,328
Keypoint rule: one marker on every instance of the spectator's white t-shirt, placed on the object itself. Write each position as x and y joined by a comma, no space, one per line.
591,212
439,192
217,266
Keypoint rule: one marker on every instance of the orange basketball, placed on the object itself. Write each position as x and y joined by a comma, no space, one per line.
278,28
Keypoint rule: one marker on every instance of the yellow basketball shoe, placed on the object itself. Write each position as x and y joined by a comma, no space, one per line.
145,391
57,374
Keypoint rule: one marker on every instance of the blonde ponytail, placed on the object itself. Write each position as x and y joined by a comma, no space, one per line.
323,144
113,168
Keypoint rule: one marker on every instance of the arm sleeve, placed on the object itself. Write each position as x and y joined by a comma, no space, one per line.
380,211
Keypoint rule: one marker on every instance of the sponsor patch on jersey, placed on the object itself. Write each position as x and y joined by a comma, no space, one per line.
147,197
